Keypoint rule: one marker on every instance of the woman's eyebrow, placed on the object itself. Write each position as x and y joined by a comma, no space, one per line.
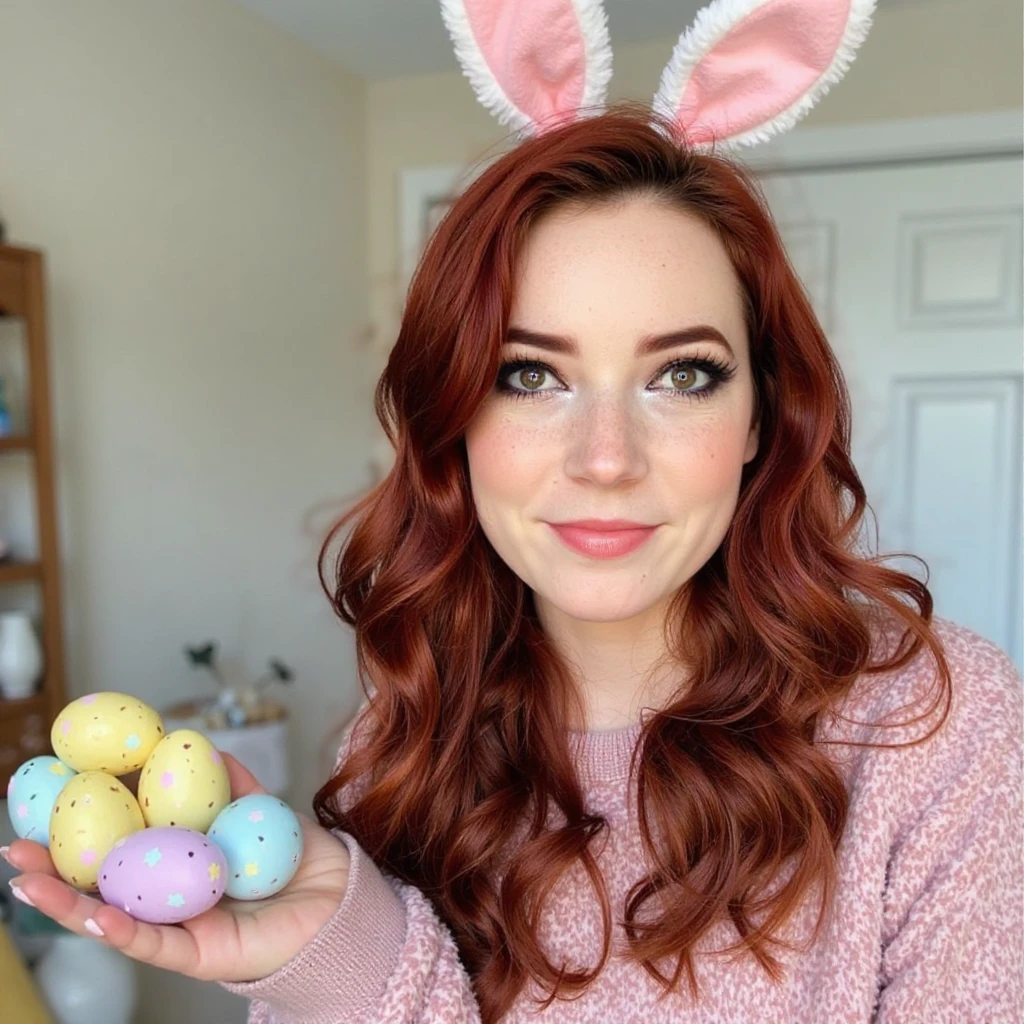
647,345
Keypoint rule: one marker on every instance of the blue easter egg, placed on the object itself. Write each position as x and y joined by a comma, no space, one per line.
261,838
31,793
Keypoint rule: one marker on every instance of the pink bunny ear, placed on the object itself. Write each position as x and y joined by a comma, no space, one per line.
532,63
747,69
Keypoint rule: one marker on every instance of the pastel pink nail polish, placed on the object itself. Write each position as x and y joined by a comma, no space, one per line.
93,928
4,850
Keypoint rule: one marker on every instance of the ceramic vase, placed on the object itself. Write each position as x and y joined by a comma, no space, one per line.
21,656
84,982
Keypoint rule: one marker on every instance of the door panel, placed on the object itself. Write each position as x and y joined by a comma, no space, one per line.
915,271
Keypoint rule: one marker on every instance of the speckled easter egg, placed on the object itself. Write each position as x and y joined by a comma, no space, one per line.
164,875
261,837
184,782
106,732
91,813
31,793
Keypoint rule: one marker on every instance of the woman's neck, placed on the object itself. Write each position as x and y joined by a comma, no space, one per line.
621,667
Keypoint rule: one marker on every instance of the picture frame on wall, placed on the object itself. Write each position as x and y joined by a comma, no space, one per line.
425,195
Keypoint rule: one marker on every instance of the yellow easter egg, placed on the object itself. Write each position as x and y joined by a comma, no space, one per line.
93,812
184,782
106,732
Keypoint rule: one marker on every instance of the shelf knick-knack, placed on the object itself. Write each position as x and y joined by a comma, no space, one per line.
5,413
21,656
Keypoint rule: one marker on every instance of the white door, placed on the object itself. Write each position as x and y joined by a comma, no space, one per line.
915,270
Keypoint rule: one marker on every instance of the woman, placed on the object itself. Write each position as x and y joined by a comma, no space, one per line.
639,773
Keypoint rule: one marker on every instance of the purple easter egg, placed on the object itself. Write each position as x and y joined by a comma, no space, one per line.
163,875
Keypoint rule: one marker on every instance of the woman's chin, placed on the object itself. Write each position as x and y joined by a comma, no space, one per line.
592,603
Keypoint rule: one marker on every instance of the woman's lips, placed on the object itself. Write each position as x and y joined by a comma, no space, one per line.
602,543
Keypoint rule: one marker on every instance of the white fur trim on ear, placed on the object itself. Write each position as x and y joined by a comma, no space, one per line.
593,24
598,46
711,25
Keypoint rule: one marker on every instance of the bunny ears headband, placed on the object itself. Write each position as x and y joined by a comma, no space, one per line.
744,71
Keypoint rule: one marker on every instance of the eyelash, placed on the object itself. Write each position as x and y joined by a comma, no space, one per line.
718,371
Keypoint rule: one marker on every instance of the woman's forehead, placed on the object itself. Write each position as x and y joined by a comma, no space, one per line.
642,268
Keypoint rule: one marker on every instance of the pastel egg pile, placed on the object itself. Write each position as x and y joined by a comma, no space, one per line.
165,848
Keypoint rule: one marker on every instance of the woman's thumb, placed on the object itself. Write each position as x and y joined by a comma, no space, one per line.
243,782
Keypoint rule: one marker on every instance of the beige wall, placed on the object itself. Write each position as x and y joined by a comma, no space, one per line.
196,180
925,58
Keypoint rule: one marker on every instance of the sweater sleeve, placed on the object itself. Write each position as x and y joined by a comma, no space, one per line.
383,956
954,898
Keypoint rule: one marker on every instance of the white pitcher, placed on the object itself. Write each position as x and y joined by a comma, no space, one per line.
21,656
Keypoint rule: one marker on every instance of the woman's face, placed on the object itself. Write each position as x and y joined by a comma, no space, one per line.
598,426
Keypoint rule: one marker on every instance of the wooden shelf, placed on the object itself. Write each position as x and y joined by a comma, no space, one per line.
18,708
17,443
16,298
19,572
24,723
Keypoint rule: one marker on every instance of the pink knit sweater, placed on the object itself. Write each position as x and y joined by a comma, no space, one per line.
928,923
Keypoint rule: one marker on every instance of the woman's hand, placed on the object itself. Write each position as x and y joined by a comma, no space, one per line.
236,940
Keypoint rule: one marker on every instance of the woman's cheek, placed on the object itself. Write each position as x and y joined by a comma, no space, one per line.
705,459
505,456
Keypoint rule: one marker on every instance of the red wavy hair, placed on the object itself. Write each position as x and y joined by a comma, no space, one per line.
470,699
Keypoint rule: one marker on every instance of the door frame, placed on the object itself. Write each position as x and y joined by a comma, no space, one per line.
901,140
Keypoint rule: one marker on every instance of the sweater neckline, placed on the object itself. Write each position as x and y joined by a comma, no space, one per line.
603,755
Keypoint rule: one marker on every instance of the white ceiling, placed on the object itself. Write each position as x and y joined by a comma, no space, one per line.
385,38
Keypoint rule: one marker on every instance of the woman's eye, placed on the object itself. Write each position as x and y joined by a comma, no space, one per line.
530,378
685,377
524,378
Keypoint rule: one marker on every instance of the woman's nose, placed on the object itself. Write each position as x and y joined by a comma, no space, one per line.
606,443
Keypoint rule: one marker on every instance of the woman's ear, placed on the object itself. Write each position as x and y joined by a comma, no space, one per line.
754,437
753,441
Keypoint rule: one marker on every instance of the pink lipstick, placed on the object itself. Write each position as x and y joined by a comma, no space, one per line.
609,538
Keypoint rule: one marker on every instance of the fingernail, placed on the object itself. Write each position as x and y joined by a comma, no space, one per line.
4,850
93,928
20,895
